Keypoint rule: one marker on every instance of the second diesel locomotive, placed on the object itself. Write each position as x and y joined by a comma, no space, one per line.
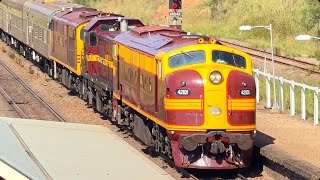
187,96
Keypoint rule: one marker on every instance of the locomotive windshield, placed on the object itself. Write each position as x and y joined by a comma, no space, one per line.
187,58
228,59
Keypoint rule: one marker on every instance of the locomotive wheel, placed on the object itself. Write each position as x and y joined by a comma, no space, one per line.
168,148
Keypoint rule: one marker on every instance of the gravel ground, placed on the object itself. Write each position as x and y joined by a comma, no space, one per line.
75,110
22,97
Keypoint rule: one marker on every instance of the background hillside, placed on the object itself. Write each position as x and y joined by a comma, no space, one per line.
222,18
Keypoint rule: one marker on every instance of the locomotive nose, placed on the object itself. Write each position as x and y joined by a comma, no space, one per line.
184,98
229,99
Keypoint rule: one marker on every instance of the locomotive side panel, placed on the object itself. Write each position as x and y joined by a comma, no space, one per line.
59,42
71,43
137,78
147,84
128,83
104,67
103,64
161,91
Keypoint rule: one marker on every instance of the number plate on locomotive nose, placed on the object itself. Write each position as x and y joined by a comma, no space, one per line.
245,92
183,92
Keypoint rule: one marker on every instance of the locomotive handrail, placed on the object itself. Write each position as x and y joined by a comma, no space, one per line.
280,82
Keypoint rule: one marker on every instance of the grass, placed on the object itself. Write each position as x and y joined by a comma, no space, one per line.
140,9
309,95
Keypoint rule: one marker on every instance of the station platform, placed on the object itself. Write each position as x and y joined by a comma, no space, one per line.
33,149
288,143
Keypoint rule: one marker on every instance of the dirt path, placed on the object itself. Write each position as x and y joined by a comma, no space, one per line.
297,137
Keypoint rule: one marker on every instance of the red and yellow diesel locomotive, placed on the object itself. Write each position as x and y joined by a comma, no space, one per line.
188,96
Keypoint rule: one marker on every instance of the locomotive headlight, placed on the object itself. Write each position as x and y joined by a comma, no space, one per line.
215,77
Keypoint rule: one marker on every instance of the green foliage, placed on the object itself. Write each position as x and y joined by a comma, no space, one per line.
311,14
222,18
83,2
141,9
286,98
317,55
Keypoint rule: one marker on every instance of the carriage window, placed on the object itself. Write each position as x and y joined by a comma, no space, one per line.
93,38
228,59
187,58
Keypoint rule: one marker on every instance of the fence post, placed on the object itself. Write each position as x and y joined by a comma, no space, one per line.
281,96
268,94
292,100
303,102
256,77
315,107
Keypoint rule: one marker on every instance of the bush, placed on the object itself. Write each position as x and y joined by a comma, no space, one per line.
12,55
317,55
4,50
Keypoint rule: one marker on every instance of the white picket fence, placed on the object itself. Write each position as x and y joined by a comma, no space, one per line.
280,94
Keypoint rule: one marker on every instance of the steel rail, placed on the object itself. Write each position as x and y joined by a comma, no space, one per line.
13,104
41,100
288,61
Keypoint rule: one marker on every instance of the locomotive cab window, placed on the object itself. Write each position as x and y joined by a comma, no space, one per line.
228,59
82,34
108,27
93,38
187,58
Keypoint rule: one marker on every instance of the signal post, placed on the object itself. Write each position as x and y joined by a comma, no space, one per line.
176,14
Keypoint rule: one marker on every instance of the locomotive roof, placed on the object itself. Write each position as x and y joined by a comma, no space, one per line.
48,8
110,35
107,18
153,39
77,16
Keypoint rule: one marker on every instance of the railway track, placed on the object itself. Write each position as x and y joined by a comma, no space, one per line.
313,67
13,104
190,174
53,111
